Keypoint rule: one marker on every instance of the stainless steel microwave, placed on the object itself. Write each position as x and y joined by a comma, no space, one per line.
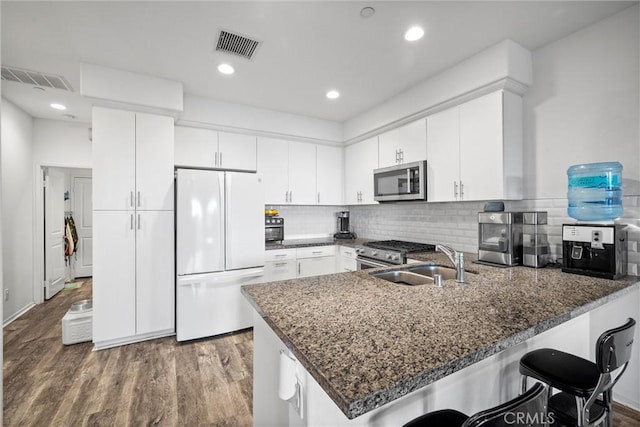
400,183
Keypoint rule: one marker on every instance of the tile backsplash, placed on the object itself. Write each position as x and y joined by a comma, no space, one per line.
454,224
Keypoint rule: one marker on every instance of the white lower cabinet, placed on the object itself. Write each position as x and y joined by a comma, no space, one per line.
133,285
316,261
346,259
280,264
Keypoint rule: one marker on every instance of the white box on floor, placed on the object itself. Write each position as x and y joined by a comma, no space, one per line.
77,324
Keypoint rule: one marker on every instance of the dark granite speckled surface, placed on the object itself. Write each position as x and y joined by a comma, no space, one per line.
367,341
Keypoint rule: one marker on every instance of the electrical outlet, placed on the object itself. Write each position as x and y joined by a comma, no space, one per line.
6,294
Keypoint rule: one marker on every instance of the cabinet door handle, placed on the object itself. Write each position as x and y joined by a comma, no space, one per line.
131,202
139,199
397,156
401,156
139,222
280,264
455,189
221,158
280,255
316,252
298,267
131,221
461,190
318,198
216,160
290,196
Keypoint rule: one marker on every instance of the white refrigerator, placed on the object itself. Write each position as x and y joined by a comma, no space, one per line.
219,247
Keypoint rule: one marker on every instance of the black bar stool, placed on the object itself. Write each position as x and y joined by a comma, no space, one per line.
528,410
580,381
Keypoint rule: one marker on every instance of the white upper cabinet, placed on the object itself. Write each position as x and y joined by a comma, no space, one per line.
132,160
206,148
273,165
329,171
405,144
360,160
237,151
300,173
474,151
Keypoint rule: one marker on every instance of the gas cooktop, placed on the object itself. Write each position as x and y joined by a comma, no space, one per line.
401,246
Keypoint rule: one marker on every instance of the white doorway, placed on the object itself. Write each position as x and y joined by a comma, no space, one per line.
67,229
81,194
54,235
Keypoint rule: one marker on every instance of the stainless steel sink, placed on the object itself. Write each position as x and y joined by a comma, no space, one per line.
431,270
404,277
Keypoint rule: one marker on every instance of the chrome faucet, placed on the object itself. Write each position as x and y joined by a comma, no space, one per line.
456,258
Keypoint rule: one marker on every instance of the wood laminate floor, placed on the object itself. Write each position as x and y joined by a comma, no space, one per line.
160,382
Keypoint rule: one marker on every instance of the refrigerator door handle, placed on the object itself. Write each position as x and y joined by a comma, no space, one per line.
219,278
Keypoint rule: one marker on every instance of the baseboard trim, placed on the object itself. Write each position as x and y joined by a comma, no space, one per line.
17,315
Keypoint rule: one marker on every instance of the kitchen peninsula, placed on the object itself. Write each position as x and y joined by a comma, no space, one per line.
371,352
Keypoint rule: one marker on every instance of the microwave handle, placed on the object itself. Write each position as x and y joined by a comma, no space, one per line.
408,181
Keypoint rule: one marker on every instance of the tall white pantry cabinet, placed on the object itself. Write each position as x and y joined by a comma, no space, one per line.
133,219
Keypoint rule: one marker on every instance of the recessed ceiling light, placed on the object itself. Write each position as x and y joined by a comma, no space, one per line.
57,106
413,34
333,94
226,69
367,12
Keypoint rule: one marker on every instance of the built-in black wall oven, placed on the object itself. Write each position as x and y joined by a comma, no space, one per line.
273,229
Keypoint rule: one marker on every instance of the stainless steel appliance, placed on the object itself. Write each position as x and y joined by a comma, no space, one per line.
595,250
500,238
400,183
343,227
219,248
385,253
535,246
273,228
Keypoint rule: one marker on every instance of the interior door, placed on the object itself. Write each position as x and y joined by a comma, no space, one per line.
83,218
53,232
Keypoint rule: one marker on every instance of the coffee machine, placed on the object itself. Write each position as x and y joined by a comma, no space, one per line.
343,227
598,250
500,238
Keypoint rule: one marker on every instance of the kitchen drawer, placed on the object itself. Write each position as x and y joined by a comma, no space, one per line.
280,270
348,252
316,251
279,254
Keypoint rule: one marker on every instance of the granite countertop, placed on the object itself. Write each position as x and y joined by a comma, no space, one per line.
320,241
367,341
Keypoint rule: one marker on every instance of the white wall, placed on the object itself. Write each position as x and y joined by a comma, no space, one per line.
583,106
244,118
60,143
17,209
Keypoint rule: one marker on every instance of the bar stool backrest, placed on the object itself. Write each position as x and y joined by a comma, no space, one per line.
613,348
528,409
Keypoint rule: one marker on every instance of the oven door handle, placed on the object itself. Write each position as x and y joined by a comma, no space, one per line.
369,262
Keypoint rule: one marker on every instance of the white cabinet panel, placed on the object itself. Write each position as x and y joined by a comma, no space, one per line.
346,259
237,151
195,147
302,173
330,175
114,271
273,165
280,270
114,157
474,151
443,156
316,266
360,161
405,144
154,272
154,162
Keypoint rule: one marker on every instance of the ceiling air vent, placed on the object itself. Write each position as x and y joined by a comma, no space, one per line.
236,44
35,78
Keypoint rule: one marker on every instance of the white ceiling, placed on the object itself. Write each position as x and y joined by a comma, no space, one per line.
308,47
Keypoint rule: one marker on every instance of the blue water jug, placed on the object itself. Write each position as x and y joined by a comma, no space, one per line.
595,191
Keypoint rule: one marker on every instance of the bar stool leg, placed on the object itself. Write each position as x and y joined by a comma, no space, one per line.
580,407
